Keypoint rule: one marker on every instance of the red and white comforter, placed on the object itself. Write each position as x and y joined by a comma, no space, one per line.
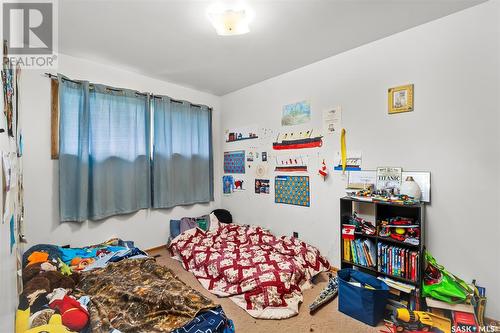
261,273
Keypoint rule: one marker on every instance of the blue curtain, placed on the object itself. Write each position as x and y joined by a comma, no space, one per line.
182,153
104,156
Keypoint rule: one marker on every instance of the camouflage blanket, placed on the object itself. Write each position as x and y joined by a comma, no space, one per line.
138,295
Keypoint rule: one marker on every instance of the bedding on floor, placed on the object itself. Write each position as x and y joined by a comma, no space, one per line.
109,287
263,274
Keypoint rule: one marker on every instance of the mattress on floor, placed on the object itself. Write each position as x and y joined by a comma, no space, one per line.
261,273
124,290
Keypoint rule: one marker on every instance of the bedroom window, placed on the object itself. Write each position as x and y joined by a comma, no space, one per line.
121,151
182,153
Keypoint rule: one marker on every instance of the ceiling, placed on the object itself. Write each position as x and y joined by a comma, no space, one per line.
174,41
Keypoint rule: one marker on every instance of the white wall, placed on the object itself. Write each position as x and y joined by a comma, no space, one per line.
148,228
8,266
453,133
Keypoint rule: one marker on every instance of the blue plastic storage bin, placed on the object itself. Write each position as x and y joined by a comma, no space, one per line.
361,303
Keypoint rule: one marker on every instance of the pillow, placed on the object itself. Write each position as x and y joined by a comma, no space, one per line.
223,215
214,222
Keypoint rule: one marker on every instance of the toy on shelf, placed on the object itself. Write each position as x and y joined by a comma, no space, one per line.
383,196
401,229
361,225
326,295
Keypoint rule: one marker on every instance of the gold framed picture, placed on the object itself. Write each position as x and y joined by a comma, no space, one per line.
401,99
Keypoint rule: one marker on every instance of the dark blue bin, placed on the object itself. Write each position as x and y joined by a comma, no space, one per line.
361,303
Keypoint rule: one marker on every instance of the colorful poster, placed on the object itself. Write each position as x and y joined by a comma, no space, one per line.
292,190
234,161
227,184
296,114
262,186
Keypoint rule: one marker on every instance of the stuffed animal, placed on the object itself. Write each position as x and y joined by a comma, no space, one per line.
74,315
22,321
33,270
64,268
38,281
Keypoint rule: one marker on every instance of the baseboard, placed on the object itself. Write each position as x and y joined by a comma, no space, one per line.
156,248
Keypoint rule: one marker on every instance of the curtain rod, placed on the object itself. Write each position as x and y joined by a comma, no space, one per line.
54,77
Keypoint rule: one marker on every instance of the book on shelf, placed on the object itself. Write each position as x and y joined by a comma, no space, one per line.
360,251
397,261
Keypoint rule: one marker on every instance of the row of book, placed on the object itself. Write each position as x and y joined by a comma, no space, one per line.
397,261
360,252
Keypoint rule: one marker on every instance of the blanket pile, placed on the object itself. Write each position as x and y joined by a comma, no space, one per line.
138,295
261,273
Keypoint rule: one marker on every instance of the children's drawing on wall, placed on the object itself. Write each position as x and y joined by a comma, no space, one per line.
262,186
298,140
239,184
332,120
353,160
292,190
291,163
250,156
296,114
234,161
239,134
227,184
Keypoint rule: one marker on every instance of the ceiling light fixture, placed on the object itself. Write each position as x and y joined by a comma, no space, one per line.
230,19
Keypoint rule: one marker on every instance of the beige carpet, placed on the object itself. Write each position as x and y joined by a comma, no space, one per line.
326,320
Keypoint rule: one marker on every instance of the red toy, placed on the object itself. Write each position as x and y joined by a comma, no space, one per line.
74,315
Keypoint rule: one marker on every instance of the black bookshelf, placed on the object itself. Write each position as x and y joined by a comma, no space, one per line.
383,211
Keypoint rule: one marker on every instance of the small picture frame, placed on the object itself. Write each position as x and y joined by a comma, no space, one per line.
401,99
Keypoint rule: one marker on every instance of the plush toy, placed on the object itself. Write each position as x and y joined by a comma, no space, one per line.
22,321
64,268
37,257
45,282
33,270
74,315
78,264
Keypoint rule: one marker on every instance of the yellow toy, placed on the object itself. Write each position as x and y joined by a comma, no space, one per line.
54,326
405,319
